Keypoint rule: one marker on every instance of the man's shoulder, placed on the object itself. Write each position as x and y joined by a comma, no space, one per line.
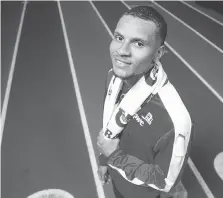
174,103
169,95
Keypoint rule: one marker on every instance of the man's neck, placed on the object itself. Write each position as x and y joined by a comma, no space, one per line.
130,82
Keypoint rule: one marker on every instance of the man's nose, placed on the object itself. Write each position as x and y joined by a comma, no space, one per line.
124,50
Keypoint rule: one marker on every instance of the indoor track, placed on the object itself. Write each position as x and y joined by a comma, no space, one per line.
53,87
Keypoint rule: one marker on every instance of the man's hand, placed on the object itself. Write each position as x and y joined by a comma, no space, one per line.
106,146
103,174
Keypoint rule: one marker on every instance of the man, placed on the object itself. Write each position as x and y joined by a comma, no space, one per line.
146,133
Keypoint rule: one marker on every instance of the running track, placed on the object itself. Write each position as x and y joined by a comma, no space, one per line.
44,143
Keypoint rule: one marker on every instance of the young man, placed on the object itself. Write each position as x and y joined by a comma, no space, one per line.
146,133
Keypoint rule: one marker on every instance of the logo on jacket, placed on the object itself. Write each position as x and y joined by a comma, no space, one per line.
122,118
148,118
141,120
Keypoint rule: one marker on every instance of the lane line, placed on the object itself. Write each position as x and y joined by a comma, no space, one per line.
200,179
195,73
191,164
92,156
11,72
100,17
213,19
189,27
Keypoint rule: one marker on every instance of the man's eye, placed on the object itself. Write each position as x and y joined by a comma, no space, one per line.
139,44
118,38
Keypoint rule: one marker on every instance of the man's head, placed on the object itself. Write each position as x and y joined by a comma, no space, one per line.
138,41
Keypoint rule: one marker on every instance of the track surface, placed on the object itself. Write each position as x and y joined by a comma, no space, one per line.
43,144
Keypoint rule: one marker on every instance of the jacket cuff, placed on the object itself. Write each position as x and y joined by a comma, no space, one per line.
102,160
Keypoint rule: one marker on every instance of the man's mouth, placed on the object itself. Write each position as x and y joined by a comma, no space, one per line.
121,63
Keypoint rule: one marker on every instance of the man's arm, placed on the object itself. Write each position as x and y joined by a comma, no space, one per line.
153,174
137,171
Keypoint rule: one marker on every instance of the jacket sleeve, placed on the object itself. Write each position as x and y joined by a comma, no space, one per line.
137,171
154,174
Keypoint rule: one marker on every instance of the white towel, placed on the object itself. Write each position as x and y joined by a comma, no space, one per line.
116,117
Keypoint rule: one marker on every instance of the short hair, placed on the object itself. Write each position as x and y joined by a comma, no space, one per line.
149,13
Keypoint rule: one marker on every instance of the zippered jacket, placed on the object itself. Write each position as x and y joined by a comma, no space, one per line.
145,151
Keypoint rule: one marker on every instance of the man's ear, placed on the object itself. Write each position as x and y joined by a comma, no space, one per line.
160,52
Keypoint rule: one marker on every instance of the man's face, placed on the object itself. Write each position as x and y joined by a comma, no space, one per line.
134,46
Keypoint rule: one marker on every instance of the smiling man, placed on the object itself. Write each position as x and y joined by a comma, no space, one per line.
136,43
146,135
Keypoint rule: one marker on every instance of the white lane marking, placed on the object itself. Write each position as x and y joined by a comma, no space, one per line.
213,19
100,17
11,72
92,155
200,179
190,162
51,193
196,73
218,164
189,27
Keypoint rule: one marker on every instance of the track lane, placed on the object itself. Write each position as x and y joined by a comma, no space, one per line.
208,11
196,97
208,15
208,28
89,44
43,144
10,18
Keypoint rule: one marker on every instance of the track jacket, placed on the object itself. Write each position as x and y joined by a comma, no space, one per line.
146,144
